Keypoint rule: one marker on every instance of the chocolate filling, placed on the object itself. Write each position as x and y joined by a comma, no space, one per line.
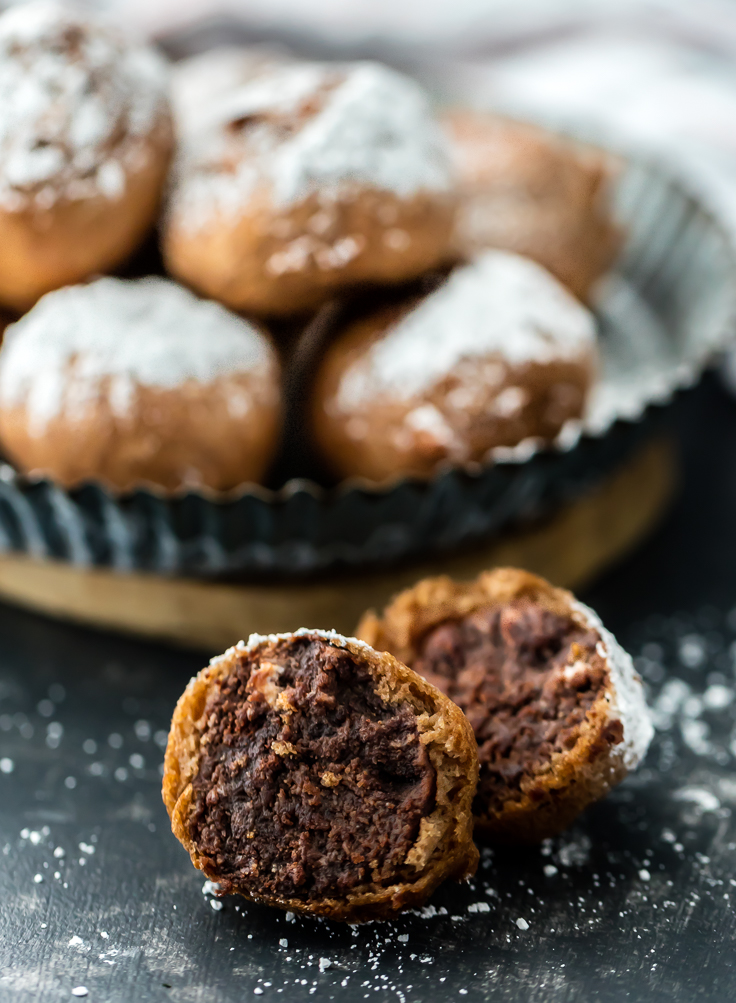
526,678
309,784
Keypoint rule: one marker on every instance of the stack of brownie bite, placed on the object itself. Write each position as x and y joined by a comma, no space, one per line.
278,185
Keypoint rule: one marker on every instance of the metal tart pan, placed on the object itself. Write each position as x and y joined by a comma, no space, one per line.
664,314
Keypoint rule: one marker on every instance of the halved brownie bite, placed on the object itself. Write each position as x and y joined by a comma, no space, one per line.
308,771
557,709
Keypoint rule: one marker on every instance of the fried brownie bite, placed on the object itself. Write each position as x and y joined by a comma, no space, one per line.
309,772
555,704
307,179
498,353
138,381
85,143
526,189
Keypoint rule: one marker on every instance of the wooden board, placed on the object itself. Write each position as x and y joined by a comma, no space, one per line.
569,549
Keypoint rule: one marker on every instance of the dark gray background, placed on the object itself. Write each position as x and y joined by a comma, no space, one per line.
635,903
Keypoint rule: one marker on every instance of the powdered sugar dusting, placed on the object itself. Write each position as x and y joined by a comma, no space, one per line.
312,127
256,640
500,304
327,635
148,332
78,101
200,82
628,704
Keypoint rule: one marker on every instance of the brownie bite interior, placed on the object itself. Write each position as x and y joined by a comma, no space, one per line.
526,678
308,782
555,704
308,771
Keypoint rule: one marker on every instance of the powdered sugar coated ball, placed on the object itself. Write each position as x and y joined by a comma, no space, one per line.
77,97
134,382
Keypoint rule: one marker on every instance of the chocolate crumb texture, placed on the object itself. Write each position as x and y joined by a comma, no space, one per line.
306,771
556,708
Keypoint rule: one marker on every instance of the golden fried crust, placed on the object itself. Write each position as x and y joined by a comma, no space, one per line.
575,778
271,262
528,190
444,848
376,439
45,249
171,437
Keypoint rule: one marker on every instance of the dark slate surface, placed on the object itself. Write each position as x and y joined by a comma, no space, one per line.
635,903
